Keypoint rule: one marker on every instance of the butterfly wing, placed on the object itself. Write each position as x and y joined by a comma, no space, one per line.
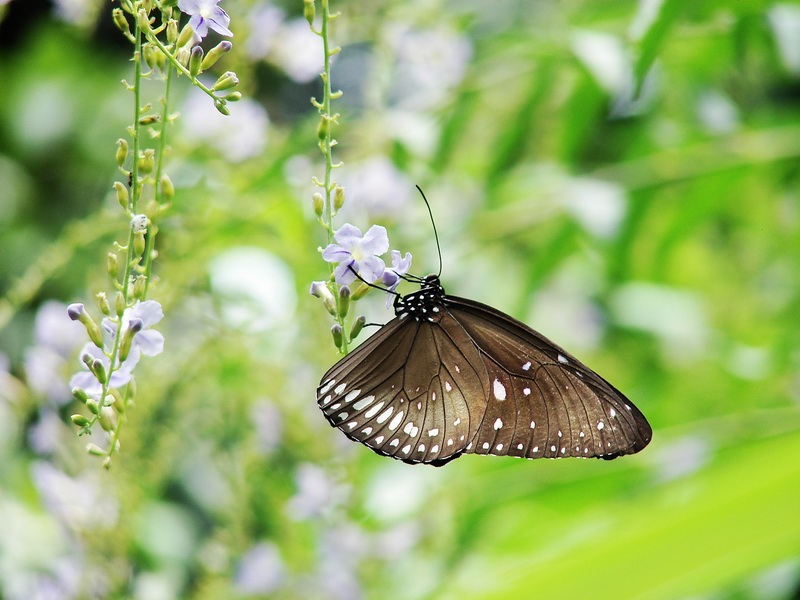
542,401
414,391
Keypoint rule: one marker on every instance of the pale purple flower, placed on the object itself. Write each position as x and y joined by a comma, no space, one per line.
391,277
149,312
261,570
205,14
354,252
88,382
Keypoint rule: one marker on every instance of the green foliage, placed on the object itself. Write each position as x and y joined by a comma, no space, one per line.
627,184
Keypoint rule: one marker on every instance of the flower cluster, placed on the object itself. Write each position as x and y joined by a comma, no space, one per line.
357,259
109,359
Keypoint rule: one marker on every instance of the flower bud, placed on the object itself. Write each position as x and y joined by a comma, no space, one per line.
79,420
80,395
134,327
77,312
221,108
337,332
121,22
358,325
92,406
186,36
215,54
140,287
149,120
321,291
323,128
150,53
344,300
102,302
172,31
167,187
99,369
195,60
107,461
233,97
119,304
226,81
122,151
122,194
95,450
139,243
112,266
107,418
338,198
147,161
360,290
309,11
319,203
144,20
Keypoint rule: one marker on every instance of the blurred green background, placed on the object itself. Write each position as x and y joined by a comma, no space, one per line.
622,176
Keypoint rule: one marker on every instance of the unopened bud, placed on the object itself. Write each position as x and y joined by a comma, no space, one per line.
77,312
358,325
219,104
337,333
186,36
233,96
93,407
134,327
139,243
107,418
149,120
119,304
122,194
360,290
99,369
122,151
144,20
309,11
319,203
323,128
121,22
150,54
215,54
338,198
344,300
321,291
172,31
140,287
95,450
80,395
147,161
195,60
226,81
112,265
79,420
102,302
167,188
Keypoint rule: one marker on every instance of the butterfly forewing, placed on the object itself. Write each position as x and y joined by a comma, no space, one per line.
544,402
451,376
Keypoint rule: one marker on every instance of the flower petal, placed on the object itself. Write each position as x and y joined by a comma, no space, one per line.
375,241
149,311
343,274
150,342
348,236
335,253
371,268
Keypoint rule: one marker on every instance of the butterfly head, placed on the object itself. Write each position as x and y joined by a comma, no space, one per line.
423,305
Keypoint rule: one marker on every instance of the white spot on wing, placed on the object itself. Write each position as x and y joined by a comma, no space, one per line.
533,424
433,433
563,359
526,391
374,410
499,447
600,425
385,415
364,402
406,449
366,430
396,421
447,386
421,448
435,448
340,388
352,395
612,413
395,442
352,425
498,424
324,389
379,439
526,366
485,445
499,390
457,421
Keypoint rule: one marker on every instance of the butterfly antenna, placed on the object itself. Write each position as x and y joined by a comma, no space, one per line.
435,234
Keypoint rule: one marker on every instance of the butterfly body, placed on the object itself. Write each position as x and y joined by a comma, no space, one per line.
449,376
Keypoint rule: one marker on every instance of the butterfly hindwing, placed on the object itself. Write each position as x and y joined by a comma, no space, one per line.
544,402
